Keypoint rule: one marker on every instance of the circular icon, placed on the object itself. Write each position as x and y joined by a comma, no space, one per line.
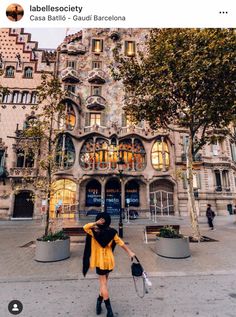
15,307
14,12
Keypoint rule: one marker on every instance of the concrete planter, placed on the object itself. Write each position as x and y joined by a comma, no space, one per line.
51,251
173,248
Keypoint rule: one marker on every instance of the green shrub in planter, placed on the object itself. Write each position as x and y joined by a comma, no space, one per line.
169,232
53,236
171,244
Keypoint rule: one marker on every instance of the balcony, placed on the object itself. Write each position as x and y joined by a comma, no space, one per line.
75,98
69,74
196,158
96,76
23,172
73,48
77,48
97,103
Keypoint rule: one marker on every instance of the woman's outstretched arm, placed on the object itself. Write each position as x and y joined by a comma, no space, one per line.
130,253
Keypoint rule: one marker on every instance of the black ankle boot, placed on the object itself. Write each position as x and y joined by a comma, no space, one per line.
99,305
108,307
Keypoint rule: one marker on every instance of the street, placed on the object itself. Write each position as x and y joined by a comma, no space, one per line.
185,296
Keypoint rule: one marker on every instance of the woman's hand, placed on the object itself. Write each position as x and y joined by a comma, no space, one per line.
131,254
100,221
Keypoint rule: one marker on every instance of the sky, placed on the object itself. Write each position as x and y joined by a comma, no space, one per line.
49,38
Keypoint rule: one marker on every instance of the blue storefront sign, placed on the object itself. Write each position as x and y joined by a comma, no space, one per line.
112,203
93,197
132,197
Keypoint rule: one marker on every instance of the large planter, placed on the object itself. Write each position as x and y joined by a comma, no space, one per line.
51,251
173,248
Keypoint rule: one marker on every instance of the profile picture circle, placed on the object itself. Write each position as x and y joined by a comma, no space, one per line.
14,12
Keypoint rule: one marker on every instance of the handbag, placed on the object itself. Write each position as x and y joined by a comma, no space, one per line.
137,272
136,268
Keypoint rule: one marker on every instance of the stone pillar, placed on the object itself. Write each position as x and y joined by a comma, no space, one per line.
148,194
122,194
77,196
176,202
103,195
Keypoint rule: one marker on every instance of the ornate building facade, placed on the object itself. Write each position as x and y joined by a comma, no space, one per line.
97,134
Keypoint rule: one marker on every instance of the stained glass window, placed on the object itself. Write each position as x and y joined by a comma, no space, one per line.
65,151
101,153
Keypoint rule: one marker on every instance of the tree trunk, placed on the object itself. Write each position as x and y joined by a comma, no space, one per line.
191,200
49,175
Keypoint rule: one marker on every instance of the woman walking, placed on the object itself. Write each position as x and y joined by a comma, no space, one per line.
98,253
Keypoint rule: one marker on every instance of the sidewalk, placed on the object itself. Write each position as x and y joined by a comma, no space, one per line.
217,258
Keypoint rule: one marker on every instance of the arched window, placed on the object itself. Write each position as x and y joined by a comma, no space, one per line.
68,120
10,71
30,122
95,154
101,154
33,97
16,97
126,152
63,195
93,193
139,155
87,154
65,152
6,97
133,153
113,153
160,155
132,193
28,72
25,97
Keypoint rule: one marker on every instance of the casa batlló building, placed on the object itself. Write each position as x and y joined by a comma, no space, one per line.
96,134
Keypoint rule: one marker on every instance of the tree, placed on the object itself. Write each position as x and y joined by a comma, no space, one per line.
183,78
41,135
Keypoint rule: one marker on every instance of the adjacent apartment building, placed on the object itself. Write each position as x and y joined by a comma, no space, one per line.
96,133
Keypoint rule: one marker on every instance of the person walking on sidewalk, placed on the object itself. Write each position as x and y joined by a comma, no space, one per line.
210,214
98,253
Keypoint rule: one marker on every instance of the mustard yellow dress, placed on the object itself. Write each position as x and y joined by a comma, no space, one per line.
101,257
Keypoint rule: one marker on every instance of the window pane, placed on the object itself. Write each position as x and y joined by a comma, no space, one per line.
95,118
130,48
65,152
97,46
71,64
96,64
96,90
160,155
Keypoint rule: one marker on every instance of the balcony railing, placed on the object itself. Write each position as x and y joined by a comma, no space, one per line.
112,166
76,48
95,128
219,188
96,76
69,74
196,158
23,172
96,103
73,97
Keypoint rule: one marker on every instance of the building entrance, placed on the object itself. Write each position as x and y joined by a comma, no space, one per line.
23,206
162,198
112,197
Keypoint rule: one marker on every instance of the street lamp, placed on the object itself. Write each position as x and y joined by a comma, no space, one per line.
121,166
